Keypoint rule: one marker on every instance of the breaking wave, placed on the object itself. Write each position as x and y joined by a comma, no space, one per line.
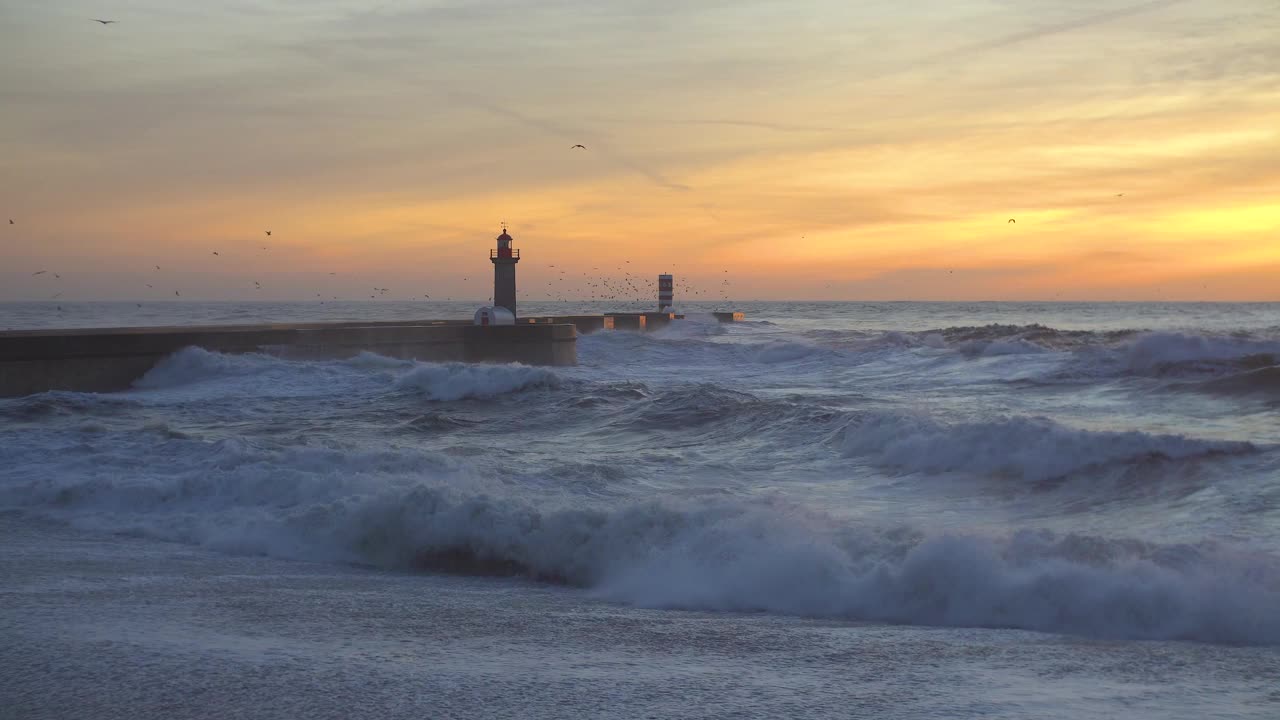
674,349
48,406
759,441
459,381
722,555
1028,448
1164,353
1089,353
194,365
263,374
1263,382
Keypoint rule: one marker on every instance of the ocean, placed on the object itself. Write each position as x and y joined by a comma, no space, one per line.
898,510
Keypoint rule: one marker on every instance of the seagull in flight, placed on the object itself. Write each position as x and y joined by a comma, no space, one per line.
1012,220
104,22
584,147
268,233
39,272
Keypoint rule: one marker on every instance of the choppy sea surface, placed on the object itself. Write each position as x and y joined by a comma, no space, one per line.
900,510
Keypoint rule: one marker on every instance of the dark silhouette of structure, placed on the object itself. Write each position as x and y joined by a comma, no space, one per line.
504,260
665,292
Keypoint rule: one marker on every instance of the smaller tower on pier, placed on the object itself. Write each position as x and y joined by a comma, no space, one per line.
665,293
504,272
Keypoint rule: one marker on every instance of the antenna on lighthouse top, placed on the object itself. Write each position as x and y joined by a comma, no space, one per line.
504,226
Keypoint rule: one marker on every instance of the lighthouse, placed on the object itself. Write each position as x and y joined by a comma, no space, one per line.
504,272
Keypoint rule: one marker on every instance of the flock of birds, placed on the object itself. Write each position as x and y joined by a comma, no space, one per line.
627,289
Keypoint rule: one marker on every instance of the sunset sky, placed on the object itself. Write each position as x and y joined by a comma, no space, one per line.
819,149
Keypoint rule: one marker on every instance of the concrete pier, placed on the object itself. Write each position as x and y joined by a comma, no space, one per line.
641,321
629,321
586,324
111,359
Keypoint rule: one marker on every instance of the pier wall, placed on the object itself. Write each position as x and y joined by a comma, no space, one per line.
586,324
111,359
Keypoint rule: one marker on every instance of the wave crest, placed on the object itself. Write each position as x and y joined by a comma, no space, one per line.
195,364
459,381
1165,353
727,555
1029,448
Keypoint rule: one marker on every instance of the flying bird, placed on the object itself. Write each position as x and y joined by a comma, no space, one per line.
10,221
175,292
268,233
39,272
215,252
584,147
157,267
1012,220
104,22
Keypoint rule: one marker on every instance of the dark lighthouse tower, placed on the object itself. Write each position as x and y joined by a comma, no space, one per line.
504,272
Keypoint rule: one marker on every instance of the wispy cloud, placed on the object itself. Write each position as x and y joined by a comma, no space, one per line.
749,134
597,144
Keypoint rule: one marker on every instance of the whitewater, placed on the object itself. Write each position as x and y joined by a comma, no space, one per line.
829,510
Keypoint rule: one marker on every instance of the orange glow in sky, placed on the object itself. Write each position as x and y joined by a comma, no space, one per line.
814,150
